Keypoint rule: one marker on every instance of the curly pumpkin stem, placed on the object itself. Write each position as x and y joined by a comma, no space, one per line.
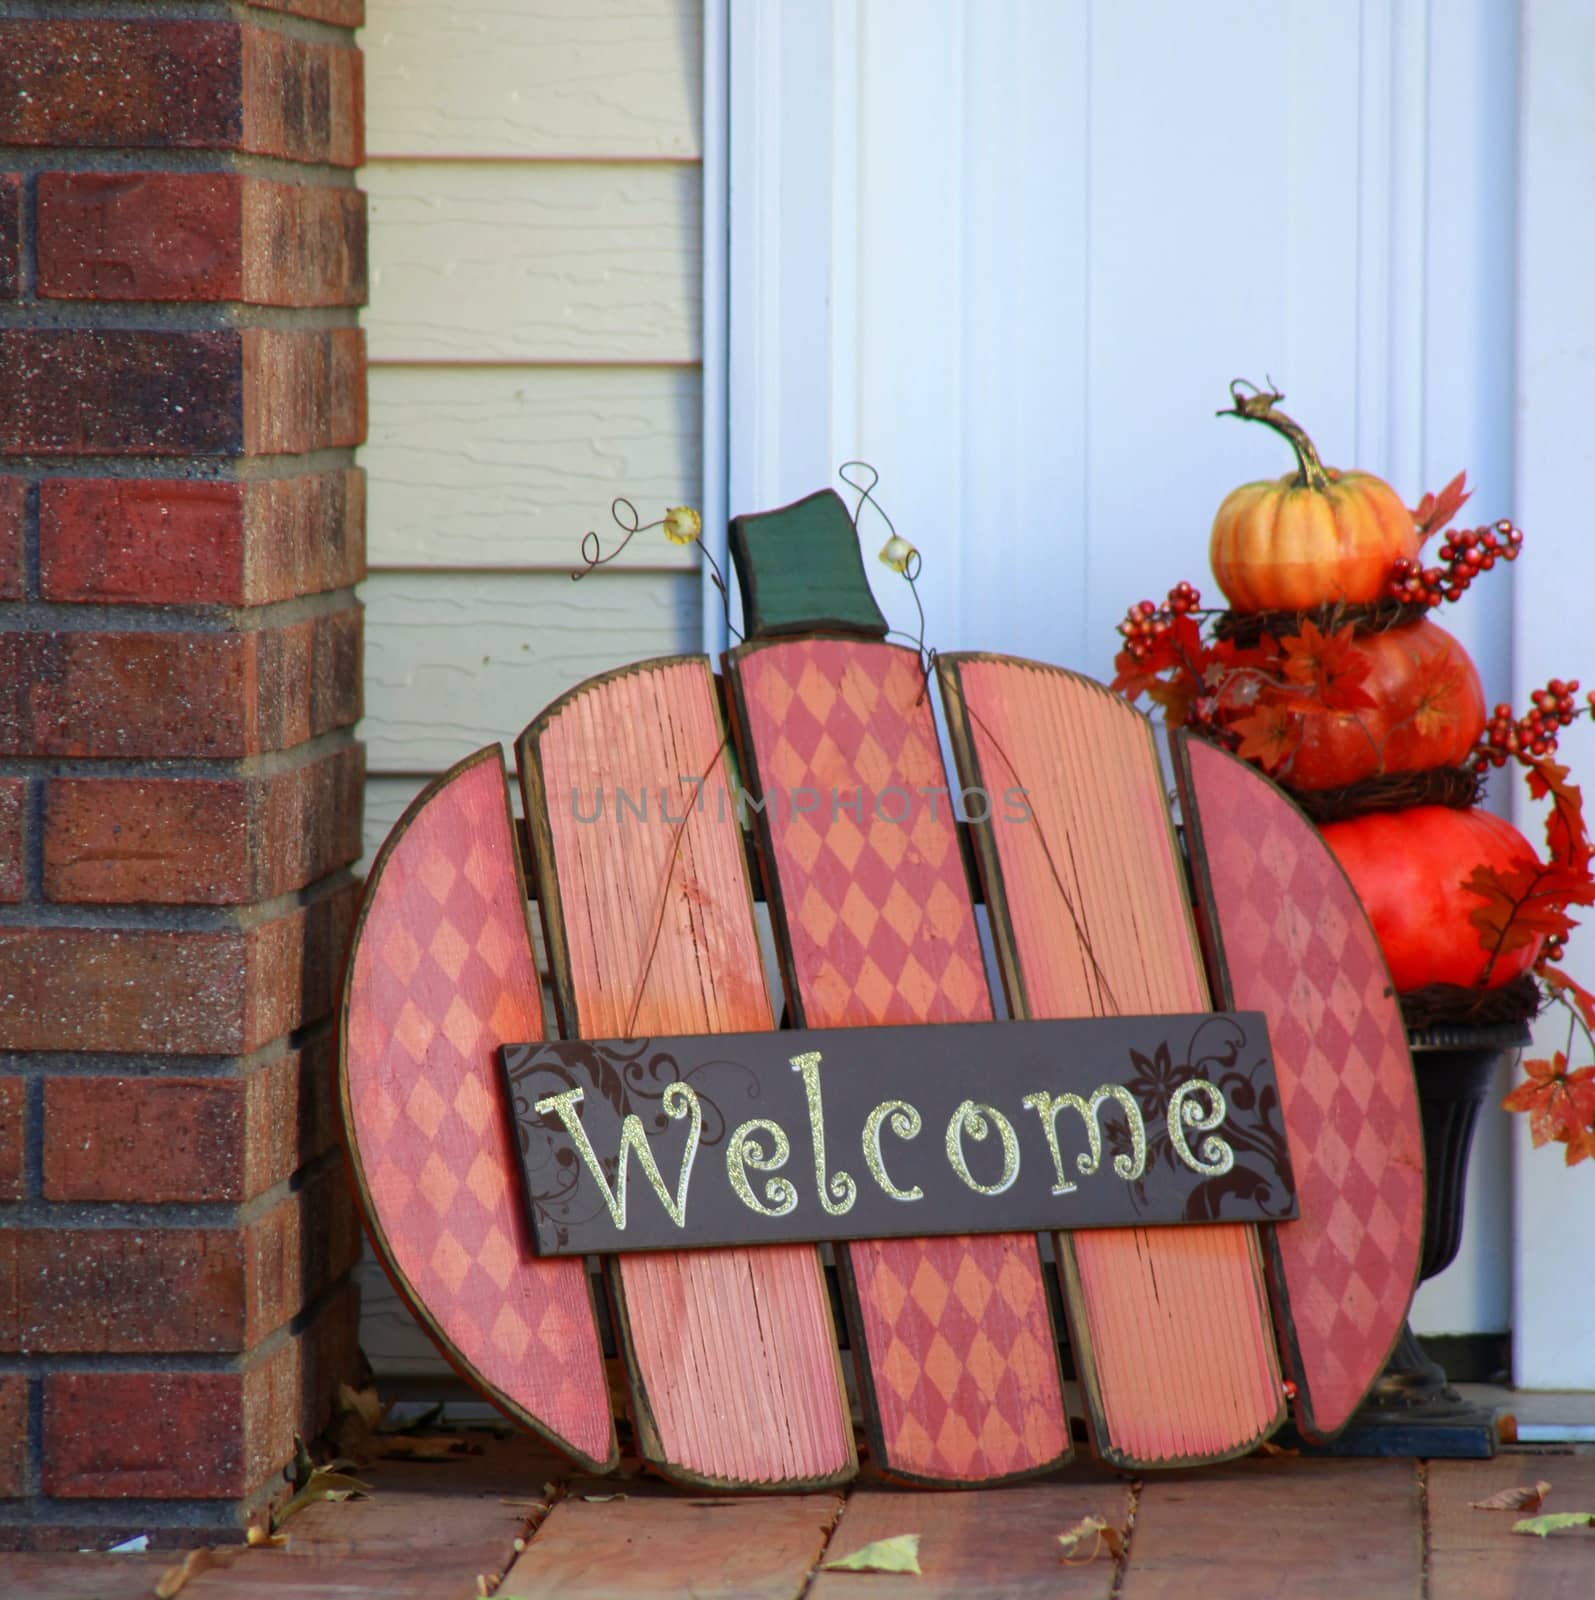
1258,406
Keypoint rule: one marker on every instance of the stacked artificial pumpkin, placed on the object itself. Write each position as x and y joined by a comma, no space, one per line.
1327,671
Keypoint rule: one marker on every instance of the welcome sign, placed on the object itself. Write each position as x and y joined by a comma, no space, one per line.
875,1133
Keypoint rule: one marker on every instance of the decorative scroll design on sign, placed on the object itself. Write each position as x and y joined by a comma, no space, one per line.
1133,1128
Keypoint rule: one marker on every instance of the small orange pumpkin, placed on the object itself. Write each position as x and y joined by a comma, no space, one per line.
1319,537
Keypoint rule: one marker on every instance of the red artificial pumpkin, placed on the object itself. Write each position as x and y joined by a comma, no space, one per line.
1317,537
1428,711
1408,868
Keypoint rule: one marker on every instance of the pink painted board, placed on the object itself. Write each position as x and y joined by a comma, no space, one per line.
1287,936
440,974
952,1338
732,1359
1089,916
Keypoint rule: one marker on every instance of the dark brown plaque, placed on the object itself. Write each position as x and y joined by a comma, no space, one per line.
876,1133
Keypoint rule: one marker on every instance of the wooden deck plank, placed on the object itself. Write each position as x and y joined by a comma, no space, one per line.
732,1354
658,1548
272,1575
1001,1544
952,1338
1474,1555
1169,1326
1259,1529
96,1576
1287,936
441,973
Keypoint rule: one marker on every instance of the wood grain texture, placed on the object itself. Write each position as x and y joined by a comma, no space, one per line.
440,974
1000,1544
79,1576
733,1363
650,1547
1169,1328
952,1338
1261,1529
488,261
1474,1555
509,466
1286,935
562,78
455,659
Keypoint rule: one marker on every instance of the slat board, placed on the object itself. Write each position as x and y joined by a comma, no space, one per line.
440,975
1169,1328
735,1376
1287,936
952,1338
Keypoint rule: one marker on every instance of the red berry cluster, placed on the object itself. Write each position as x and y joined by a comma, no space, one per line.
1145,624
1465,553
1532,735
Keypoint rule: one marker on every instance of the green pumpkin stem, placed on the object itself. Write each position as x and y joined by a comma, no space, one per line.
1258,406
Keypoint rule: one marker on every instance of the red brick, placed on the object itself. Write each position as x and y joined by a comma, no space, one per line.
199,236
178,694
117,1291
201,841
341,13
13,526
303,101
75,391
13,1436
13,835
179,84
10,236
212,993
13,1134
222,1139
140,235
121,85
194,1435
296,1250
305,391
197,541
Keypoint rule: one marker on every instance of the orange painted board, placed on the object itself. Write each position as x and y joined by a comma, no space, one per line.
732,1359
441,973
1086,893
1287,936
952,1338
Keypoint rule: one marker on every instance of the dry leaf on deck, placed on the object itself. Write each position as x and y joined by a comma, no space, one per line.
427,1447
1269,1448
363,1402
323,1485
257,1535
900,1553
171,1581
1526,1497
1099,1532
1541,1526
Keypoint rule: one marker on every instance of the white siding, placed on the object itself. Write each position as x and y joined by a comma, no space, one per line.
534,331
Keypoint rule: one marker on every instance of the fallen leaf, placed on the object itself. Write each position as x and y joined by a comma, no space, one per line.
1269,1448
1103,1535
1543,1526
429,1447
602,1499
900,1553
363,1402
1526,1497
258,1536
323,1485
171,1581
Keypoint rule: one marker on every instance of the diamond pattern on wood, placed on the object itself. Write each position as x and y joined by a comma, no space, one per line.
878,927
1298,947
441,974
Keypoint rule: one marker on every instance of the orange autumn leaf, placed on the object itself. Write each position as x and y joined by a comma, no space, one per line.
1268,736
1565,832
1560,1104
1576,995
1440,692
1525,902
1434,511
1330,666
1525,1497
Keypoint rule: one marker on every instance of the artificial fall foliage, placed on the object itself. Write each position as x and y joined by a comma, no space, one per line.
1290,693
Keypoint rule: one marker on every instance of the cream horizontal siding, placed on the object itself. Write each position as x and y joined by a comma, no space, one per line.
534,333
534,261
508,467
455,660
554,78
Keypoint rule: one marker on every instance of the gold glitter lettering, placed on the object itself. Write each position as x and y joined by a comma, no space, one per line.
906,1125
971,1119
679,1101
1047,1107
746,1151
838,1192
1216,1157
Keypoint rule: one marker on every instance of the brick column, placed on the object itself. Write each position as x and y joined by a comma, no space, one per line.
182,384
